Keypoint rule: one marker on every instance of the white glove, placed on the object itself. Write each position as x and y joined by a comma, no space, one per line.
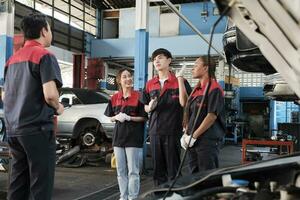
187,139
184,145
127,117
153,104
120,117
181,71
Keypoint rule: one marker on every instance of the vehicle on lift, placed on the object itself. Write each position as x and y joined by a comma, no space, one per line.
83,122
277,89
242,53
246,56
273,28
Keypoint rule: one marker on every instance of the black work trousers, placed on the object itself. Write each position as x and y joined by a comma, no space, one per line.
165,156
33,166
203,155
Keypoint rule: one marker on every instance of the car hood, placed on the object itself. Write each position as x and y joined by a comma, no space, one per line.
273,26
76,112
282,170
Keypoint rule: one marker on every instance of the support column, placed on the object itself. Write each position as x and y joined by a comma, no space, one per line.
6,34
272,112
99,24
141,44
141,53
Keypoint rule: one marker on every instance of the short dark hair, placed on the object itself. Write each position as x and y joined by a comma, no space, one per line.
32,25
159,51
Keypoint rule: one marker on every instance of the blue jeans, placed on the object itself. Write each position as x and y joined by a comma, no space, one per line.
128,170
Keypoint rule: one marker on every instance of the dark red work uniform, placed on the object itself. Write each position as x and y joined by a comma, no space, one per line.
165,126
29,121
128,133
204,154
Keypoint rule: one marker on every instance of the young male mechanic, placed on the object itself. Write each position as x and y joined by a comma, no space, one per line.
163,100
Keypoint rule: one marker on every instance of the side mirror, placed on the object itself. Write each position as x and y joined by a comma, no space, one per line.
65,102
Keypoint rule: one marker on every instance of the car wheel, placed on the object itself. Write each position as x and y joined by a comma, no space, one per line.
89,133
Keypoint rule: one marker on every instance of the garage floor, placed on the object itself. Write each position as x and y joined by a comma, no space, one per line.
91,183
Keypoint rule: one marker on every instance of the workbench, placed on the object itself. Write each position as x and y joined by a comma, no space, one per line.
245,142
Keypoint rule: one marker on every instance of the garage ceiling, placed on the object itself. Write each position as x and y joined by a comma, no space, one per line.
116,4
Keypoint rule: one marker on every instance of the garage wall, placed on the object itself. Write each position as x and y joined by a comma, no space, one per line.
176,44
127,22
193,12
169,24
110,28
251,93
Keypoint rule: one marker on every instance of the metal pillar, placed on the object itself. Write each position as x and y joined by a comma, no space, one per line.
78,70
6,34
272,113
141,53
141,44
99,24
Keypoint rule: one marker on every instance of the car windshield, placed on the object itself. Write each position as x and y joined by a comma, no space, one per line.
91,97
87,96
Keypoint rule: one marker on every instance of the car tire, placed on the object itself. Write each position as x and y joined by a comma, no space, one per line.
89,133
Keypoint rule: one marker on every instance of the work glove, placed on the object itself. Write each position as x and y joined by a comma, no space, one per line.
184,145
126,117
120,117
153,104
187,139
181,71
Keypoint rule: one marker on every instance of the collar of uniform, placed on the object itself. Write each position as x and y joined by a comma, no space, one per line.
171,76
120,95
199,86
32,43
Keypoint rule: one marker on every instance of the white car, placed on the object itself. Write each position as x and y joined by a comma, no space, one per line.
83,120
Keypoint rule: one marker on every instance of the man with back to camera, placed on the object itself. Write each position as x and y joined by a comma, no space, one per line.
32,76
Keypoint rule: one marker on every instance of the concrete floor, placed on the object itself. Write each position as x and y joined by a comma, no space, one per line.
91,183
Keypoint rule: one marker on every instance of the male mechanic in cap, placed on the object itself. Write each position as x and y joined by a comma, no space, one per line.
163,97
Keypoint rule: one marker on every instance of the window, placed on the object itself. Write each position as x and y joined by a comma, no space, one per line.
250,79
61,16
76,13
68,98
77,23
61,5
43,7
26,2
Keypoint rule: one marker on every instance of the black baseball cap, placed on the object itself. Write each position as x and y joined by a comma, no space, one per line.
159,51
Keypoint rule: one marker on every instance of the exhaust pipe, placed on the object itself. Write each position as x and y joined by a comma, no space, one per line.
68,154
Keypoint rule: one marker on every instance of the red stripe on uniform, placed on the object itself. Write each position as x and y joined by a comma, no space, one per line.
31,52
154,84
214,85
132,100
